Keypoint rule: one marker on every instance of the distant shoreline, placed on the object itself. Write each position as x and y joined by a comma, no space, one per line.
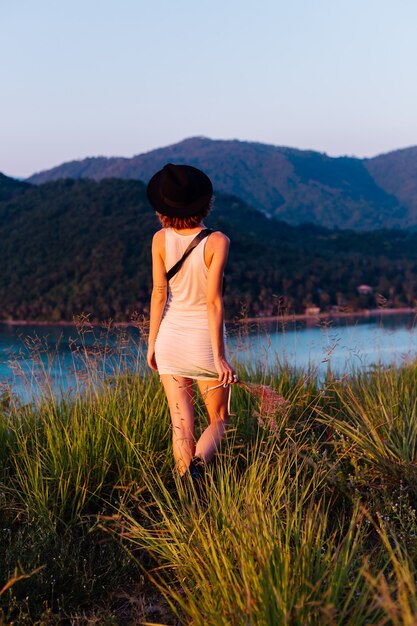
329,315
287,317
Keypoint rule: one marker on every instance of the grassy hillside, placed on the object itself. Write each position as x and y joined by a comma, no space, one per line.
307,516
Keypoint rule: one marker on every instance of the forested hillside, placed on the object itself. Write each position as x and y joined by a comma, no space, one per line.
296,186
10,187
71,247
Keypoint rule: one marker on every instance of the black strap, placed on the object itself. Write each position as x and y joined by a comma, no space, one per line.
201,235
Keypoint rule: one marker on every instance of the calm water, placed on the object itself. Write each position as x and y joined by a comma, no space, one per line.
344,345
33,355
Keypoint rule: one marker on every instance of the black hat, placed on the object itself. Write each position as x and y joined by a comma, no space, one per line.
179,190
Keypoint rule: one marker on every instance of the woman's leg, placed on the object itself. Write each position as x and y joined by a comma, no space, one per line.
179,392
217,405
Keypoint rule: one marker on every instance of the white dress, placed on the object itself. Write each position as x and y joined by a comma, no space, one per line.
183,345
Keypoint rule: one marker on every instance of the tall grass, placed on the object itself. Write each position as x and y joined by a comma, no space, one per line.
68,454
373,417
306,516
264,549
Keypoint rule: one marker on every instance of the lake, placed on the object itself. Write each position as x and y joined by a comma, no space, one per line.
61,357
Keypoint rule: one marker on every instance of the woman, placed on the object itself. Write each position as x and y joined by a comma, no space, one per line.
186,335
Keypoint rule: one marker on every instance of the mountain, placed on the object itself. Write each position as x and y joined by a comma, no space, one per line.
292,185
95,168
396,173
10,187
80,246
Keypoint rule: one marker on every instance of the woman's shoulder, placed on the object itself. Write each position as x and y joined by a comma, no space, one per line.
218,241
218,237
158,240
159,236
217,244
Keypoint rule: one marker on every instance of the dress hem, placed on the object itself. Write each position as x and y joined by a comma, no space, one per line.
192,376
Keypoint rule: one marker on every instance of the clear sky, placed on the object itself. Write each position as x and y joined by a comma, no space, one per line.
120,77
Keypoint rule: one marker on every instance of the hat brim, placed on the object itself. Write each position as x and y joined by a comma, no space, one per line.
184,210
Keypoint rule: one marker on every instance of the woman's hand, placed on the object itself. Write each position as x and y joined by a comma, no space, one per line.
151,359
226,373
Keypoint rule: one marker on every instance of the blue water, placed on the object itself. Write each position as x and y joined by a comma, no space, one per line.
59,358
343,345
37,359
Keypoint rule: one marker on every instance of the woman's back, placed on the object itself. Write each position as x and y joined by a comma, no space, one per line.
187,295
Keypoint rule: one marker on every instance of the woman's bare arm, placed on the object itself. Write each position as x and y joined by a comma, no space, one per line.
218,253
159,294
